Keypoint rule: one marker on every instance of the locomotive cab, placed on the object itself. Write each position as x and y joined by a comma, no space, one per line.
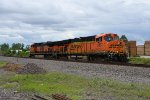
112,46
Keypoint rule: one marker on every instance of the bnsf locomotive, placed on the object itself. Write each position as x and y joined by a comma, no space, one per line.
101,46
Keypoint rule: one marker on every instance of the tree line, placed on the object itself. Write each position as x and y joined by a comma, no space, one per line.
16,49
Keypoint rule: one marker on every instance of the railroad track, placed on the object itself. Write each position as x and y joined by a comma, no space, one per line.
38,97
94,62
52,97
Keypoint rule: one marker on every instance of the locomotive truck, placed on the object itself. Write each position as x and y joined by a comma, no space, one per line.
101,46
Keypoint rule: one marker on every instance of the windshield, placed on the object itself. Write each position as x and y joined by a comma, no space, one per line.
116,38
108,38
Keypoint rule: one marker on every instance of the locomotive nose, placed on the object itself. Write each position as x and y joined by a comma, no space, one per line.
117,46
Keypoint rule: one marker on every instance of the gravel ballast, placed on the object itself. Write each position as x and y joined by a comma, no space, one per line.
122,73
31,68
6,94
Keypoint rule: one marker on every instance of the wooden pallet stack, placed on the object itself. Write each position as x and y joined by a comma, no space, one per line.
132,48
140,50
147,48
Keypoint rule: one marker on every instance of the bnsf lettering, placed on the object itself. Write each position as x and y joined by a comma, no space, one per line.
76,46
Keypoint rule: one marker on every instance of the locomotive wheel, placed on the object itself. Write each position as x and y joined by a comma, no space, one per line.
76,58
115,58
91,58
55,56
122,59
45,56
32,56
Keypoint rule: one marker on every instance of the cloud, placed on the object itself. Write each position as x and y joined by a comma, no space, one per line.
29,21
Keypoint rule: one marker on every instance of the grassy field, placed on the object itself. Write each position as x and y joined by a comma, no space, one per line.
138,60
75,86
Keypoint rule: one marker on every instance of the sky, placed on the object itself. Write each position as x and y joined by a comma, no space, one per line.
30,21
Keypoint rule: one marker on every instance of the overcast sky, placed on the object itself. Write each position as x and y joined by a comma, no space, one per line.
29,21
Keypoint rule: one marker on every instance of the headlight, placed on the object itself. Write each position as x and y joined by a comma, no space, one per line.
119,43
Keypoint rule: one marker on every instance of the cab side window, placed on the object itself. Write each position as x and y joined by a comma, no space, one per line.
99,39
108,38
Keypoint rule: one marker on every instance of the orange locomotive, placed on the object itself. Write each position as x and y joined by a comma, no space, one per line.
107,46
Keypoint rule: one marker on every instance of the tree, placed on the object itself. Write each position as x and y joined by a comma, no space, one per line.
27,47
22,46
4,47
124,38
17,46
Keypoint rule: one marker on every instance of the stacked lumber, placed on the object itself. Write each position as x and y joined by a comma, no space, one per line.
132,43
147,48
140,50
132,48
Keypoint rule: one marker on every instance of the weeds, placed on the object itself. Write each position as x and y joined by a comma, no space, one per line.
74,86
138,60
2,64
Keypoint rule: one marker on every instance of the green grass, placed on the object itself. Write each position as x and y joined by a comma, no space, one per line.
2,64
50,83
138,60
74,86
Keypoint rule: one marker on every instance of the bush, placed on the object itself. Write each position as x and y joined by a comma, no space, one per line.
23,54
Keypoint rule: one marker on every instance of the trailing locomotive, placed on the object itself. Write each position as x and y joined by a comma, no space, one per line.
102,46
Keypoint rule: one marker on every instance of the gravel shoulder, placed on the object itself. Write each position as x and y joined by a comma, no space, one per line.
122,73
